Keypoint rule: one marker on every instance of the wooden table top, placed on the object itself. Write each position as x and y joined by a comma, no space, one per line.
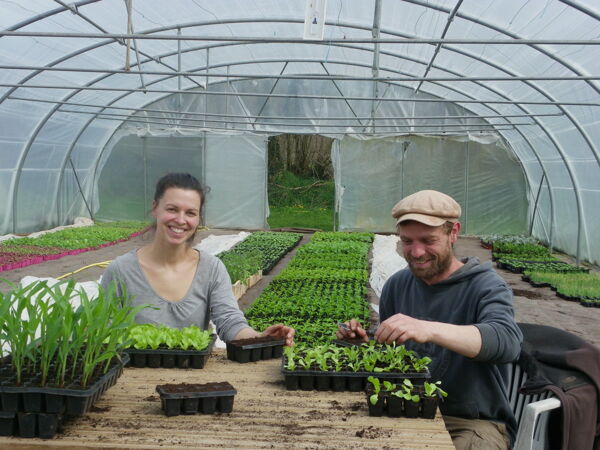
265,415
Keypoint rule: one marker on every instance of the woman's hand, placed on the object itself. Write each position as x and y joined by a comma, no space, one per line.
281,331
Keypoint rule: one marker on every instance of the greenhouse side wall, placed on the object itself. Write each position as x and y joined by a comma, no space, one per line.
484,177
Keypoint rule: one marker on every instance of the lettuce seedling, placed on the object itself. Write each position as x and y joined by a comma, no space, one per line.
373,398
434,389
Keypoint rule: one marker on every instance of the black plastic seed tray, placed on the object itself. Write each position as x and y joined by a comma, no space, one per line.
220,399
70,401
171,358
308,380
243,351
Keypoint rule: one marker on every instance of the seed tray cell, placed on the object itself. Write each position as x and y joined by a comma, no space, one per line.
171,358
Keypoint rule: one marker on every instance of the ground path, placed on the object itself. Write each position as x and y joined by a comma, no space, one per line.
532,305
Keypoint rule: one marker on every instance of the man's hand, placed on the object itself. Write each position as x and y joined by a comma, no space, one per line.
281,331
400,328
353,330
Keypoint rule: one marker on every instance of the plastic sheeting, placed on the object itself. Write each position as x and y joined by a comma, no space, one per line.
372,175
232,167
51,153
386,261
214,244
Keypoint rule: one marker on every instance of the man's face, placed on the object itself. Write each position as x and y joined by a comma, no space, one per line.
428,250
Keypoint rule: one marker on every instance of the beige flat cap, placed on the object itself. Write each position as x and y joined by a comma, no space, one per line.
432,208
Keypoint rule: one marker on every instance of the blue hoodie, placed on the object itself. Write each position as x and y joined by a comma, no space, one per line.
473,295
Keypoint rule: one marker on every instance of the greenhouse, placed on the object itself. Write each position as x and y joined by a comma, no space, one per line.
494,103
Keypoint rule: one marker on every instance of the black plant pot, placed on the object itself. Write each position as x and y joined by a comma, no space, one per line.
138,360
322,382
277,351
48,425
307,382
267,353
7,423
27,424
32,401
394,406
291,382
429,407
377,408
10,402
225,404
190,405
55,403
338,384
172,406
256,354
183,361
168,361
209,405
356,384
153,361
411,409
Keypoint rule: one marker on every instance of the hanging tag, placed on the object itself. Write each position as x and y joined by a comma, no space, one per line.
314,19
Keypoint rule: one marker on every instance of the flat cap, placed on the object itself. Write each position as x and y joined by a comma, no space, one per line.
432,208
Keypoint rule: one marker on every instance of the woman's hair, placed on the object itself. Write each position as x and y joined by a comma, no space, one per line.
182,181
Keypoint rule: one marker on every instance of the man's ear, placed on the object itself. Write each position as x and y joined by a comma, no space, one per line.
454,232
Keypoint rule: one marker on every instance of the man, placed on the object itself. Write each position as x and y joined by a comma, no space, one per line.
457,312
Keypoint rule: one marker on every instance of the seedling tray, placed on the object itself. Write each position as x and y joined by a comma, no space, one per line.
207,398
30,425
393,406
308,380
246,350
69,401
170,358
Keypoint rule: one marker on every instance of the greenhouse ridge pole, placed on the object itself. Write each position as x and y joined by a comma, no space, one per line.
439,46
237,116
375,33
287,40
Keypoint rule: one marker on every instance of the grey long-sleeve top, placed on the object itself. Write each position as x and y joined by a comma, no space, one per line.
210,290
473,295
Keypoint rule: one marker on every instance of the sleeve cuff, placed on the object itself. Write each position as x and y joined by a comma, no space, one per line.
231,331
488,335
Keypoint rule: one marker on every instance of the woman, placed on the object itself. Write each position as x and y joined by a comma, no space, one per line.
186,286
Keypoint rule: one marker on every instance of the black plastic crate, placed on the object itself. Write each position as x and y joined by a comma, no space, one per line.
244,350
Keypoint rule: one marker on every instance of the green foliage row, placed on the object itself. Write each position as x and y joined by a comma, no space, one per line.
581,285
45,333
492,239
343,237
240,266
73,238
516,265
270,245
313,297
369,357
149,336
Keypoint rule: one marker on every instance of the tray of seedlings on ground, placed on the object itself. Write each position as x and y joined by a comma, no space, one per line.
579,287
346,368
160,346
325,283
21,252
206,398
255,349
241,266
403,399
488,240
271,245
61,350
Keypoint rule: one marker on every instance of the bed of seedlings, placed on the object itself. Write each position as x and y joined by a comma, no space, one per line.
259,251
541,269
311,294
21,252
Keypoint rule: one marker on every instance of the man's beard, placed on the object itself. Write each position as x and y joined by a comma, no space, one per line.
439,264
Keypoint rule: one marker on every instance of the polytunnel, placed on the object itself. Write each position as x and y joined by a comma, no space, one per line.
495,103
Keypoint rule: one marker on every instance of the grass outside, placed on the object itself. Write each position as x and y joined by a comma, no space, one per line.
295,216
304,202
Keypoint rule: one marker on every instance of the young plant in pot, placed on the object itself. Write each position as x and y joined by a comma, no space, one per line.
432,393
375,401
410,399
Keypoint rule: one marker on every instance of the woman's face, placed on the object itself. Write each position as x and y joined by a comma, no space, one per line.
177,215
